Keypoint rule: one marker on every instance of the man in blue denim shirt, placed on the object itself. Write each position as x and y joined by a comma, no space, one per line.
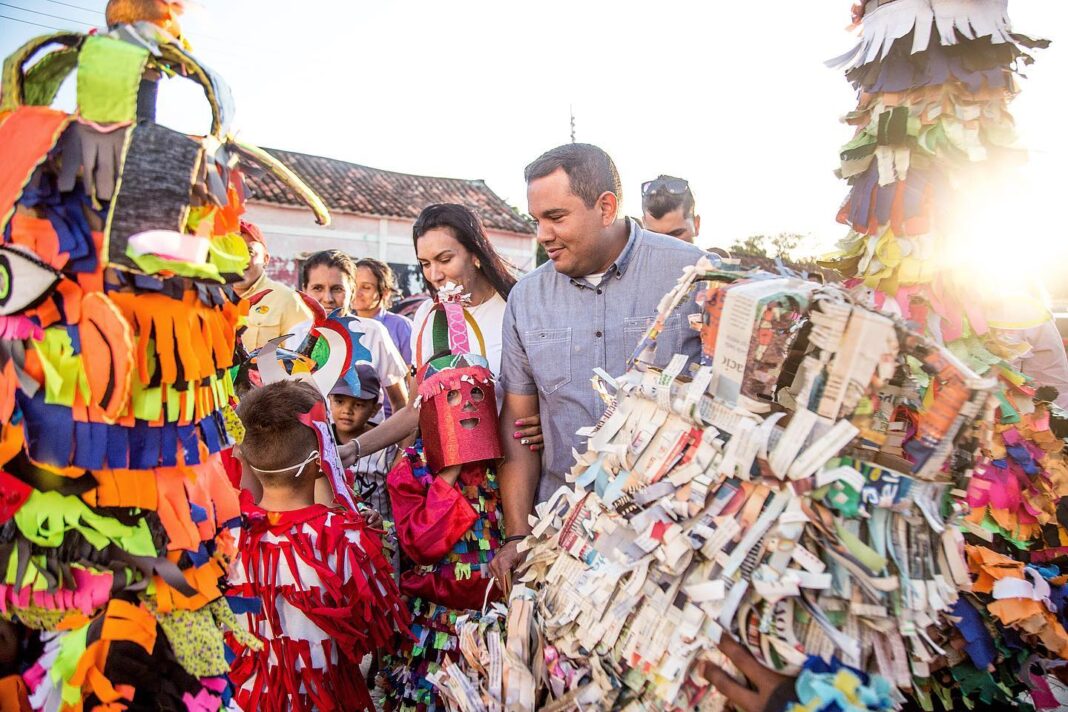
587,308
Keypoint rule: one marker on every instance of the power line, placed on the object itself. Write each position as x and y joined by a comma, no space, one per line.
77,7
44,14
215,45
35,24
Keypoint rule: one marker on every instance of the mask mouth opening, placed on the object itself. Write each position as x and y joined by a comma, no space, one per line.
469,423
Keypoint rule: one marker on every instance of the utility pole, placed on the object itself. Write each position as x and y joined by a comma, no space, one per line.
571,109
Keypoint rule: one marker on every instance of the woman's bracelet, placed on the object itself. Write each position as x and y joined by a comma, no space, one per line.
359,449
514,537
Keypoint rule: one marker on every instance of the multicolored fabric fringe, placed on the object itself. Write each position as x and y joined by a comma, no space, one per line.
935,140
448,536
118,239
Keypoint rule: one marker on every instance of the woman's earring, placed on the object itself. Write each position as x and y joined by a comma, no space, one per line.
478,265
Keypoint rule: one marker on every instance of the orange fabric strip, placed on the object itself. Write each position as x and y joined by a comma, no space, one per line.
123,488
26,136
38,236
125,621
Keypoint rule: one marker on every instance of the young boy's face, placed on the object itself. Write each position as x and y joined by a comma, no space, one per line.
351,414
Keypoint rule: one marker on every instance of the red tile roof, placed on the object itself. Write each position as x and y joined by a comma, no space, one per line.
350,187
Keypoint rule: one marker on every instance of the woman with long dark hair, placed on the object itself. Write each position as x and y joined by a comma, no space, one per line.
443,489
452,246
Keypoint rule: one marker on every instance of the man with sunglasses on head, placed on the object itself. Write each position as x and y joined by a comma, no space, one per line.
668,208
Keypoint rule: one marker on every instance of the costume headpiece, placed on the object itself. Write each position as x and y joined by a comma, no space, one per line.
335,357
458,405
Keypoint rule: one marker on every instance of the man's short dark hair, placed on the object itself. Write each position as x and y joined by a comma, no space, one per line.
590,171
274,437
661,202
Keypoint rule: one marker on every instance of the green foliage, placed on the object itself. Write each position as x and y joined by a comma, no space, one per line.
770,246
541,256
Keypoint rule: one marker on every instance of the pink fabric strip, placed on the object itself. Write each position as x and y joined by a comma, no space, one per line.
454,316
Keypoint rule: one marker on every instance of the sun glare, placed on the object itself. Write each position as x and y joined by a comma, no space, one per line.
1004,239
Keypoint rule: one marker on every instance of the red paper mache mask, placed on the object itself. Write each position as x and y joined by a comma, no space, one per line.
458,412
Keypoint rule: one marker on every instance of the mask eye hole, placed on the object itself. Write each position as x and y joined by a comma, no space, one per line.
477,395
453,397
25,281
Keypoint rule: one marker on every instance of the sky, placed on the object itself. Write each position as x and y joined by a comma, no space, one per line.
735,97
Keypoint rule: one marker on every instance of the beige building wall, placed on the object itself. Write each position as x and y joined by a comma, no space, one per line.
292,233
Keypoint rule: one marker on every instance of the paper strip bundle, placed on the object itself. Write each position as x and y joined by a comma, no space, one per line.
796,491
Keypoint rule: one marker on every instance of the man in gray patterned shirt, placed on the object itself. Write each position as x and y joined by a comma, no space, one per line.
586,308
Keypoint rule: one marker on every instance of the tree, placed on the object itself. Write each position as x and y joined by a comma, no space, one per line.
770,246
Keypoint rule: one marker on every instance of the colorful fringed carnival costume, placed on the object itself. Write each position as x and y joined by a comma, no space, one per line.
448,533
328,600
934,143
117,329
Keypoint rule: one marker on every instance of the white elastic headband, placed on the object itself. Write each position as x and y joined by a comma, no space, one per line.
313,455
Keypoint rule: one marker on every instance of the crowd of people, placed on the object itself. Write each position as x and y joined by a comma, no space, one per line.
358,521
458,528
452,532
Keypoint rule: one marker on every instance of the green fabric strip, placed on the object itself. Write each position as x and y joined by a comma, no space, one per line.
11,93
44,78
61,366
229,253
109,76
154,264
46,517
71,649
441,333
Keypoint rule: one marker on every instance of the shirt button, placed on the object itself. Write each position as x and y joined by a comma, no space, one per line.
597,334
598,290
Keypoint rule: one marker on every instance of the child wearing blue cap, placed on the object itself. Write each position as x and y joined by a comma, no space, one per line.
352,413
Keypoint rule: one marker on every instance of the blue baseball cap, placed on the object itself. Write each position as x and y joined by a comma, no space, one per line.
370,387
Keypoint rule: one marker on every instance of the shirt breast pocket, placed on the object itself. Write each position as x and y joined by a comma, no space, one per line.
549,355
667,343
265,318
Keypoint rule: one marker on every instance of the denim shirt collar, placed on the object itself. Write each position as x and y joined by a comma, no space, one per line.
634,237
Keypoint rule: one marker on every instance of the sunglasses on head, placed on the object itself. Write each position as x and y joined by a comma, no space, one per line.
674,186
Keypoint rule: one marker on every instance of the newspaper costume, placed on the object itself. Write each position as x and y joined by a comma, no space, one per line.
934,81
767,497
117,329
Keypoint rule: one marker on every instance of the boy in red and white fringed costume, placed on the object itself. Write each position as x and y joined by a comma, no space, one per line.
327,590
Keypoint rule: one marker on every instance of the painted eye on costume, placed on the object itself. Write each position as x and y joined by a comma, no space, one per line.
25,281
477,395
454,397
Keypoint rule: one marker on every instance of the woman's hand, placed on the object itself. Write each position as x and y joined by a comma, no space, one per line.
528,432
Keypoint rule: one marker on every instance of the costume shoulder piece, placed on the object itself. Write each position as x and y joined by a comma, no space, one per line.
120,239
